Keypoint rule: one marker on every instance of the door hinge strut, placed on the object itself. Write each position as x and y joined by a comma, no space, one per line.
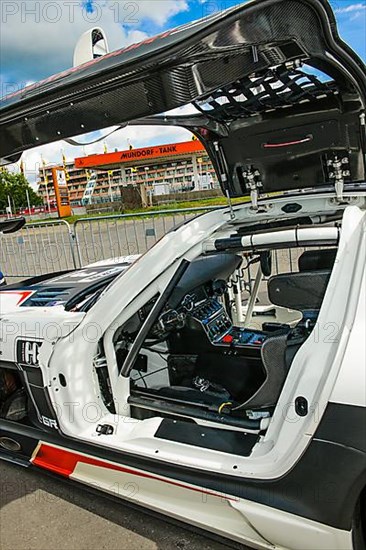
223,173
338,171
253,183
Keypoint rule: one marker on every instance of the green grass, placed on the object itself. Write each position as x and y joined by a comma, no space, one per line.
217,201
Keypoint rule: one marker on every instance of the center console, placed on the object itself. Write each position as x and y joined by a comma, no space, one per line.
219,328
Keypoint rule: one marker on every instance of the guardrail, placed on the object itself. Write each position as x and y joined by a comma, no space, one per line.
51,246
39,248
104,237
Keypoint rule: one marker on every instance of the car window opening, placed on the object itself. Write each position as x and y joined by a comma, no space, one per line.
222,345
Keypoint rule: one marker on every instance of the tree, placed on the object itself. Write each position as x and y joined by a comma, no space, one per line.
16,186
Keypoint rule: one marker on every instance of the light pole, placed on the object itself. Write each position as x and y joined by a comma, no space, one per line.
45,179
143,192
9,210
148,187
110,185
185,176
200,160
28,203
174,164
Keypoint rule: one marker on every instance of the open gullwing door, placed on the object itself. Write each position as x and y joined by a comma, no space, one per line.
279,98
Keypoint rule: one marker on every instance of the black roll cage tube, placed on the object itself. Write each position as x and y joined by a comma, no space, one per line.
151,318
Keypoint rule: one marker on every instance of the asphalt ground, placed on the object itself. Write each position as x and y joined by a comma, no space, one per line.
39,512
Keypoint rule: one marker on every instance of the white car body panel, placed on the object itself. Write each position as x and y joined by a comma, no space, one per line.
268,460
350,386
319,372
254,435
261,527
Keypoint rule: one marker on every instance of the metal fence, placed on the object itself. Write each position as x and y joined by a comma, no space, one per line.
37,249
101,238
51,246
45,247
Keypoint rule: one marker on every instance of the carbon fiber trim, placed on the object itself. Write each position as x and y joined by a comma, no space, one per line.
179,67
273,354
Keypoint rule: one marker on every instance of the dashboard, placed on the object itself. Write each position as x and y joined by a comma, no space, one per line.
202,311
219,328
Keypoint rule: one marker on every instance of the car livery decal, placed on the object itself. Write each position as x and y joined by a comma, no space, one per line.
28,352
89,275
64,462
17,297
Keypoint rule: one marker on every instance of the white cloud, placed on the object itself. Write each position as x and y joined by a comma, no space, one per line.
356,15
351,8
138,136
38,38
133,13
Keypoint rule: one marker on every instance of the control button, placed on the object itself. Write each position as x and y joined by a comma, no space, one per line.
228,339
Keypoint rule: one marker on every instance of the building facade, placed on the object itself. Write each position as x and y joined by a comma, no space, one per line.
160,170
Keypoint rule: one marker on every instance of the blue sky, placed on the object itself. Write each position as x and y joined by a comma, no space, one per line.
351,19
37,41
350,15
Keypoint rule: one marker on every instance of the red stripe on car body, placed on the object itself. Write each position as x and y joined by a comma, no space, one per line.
64,462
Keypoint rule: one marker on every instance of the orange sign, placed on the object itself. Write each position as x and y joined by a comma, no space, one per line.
61,192
143,154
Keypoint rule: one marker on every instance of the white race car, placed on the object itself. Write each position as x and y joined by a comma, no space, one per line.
141,378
